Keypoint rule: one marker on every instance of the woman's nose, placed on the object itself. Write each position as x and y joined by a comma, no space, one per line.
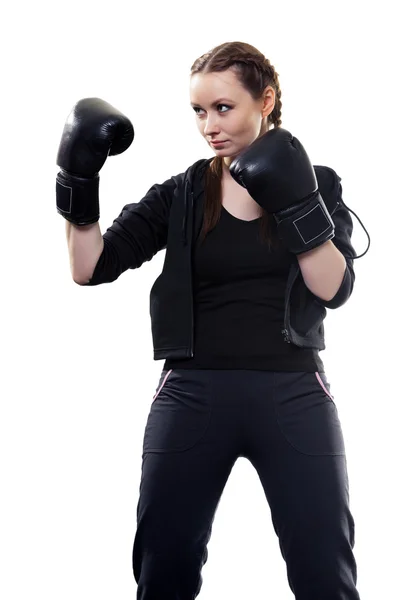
211,126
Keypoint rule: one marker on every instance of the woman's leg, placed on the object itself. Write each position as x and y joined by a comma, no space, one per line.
189,450
295,443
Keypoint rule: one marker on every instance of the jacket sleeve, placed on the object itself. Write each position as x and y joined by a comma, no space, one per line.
332,193
137,234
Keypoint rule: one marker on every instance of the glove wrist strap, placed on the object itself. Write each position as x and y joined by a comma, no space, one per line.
306,225
77,198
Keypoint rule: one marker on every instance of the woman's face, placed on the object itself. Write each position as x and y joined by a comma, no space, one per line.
227,113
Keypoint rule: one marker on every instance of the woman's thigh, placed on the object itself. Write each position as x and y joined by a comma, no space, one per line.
297,448
189,450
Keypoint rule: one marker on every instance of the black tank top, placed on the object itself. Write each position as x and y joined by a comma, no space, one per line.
238,291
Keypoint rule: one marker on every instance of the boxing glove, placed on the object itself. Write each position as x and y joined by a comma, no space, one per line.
93,130
277,173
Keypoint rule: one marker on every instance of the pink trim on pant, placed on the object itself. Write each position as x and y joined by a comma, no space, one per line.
323,386
162,385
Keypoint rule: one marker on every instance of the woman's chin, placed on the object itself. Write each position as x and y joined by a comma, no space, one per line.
224,152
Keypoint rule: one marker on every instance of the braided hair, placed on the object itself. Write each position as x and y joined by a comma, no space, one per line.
255,73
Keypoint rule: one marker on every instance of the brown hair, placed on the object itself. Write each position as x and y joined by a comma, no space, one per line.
255,73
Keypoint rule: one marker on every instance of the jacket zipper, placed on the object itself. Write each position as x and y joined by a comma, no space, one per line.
285,332
285,335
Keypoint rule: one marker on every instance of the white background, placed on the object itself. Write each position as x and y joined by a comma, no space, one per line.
78,374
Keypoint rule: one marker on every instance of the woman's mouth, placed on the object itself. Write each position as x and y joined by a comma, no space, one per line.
218,142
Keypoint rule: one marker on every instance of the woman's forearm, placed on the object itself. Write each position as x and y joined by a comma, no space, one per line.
85,245
323,269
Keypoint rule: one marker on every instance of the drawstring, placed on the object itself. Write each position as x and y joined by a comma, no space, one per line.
195,172
184,238
369,239
185,215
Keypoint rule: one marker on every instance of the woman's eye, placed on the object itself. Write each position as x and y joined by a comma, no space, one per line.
197,108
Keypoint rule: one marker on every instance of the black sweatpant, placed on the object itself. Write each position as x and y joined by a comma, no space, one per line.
286,424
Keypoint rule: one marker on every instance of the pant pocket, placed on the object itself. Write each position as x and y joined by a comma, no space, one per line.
180,412
326,387
306,413
163,378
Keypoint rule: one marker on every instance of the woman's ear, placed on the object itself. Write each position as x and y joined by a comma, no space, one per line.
269,101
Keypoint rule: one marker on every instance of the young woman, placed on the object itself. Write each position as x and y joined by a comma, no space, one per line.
258,246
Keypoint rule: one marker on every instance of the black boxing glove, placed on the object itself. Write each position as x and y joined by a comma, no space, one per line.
93,131
277,173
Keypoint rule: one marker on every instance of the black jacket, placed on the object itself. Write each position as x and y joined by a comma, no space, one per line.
170,217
